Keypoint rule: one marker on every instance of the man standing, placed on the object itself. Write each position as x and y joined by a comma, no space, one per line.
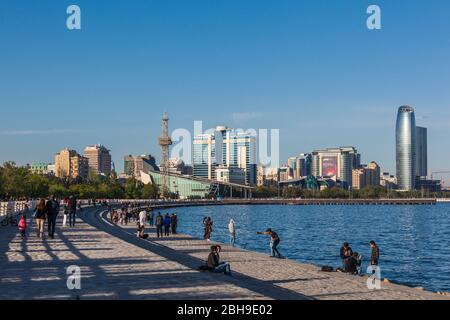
173,223
167,221
375,254
52,209
232,231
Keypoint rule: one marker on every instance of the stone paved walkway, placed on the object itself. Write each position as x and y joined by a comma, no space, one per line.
115,264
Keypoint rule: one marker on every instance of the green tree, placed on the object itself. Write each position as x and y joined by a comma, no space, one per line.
58,190
14,180
149,191
37,186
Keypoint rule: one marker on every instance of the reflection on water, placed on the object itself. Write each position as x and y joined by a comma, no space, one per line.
413,240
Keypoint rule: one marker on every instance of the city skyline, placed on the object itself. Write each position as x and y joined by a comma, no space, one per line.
255,66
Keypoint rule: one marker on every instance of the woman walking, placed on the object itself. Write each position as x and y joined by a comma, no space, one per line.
39,216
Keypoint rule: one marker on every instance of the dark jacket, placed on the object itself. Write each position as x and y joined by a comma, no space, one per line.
167,221
345,255
40,214
350,265
52,208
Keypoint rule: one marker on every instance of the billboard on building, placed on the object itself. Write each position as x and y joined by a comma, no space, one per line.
329,166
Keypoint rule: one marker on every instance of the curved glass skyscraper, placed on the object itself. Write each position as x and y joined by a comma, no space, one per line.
406,148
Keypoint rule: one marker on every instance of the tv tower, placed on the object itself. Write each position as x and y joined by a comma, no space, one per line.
165,142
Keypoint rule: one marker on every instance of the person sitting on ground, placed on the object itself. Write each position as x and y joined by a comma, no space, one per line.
350,264
213,263
345,253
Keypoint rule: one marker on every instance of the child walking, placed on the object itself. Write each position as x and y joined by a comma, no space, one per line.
22,226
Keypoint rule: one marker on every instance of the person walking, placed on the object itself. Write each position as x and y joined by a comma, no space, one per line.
52,210
39,216
72,204
22,226
167,221
375,253
159,225
232,231
274,242
208,223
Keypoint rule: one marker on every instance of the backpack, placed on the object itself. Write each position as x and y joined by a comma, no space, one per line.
327,269
22,224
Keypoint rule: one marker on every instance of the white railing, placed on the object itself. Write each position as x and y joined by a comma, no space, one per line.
15,207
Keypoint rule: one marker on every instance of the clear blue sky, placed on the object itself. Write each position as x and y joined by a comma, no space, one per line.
310,68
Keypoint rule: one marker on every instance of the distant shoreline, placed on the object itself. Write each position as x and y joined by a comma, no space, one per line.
298,202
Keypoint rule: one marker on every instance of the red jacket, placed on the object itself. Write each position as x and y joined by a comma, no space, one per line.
22,224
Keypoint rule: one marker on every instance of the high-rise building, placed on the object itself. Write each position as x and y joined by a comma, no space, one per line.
99,159
421,152
260,176
204,156
133,165
283,174
406,148
335,162
69,164
300,165
237,149
366,176
228,148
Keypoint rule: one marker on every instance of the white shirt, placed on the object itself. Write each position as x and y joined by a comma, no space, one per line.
231,226
142,217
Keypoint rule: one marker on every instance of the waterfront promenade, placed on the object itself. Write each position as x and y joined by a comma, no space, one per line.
115,264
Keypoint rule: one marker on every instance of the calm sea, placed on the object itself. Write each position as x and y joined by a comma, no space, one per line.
414,241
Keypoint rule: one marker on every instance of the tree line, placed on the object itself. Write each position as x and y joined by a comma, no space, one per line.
20,183
370,192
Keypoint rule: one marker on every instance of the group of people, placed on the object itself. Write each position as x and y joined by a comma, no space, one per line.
165,224
352,261
47,210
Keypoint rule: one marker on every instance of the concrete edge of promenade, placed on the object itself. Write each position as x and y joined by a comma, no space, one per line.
395,286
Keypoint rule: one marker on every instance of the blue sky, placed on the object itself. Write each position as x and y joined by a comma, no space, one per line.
310,68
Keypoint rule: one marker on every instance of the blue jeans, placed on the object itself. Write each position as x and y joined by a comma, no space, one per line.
273,248
72,218
223,267
51,223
